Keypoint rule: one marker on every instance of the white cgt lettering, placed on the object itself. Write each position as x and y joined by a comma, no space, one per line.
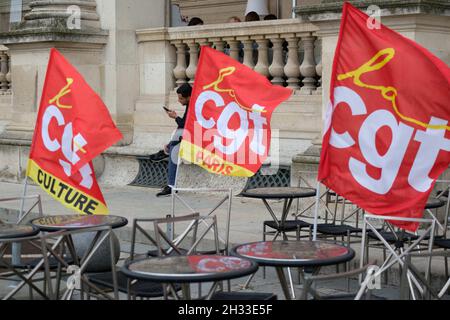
67,141
238,136
431,143
390,162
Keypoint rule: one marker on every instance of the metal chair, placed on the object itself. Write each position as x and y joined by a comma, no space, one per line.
30,248
364,290
441,240
397,251
57,245
160,244
225,200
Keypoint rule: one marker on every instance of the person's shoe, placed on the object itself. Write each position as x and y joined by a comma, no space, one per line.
166,191
159,156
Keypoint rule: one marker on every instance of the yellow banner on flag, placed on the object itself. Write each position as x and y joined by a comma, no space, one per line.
211,162
68,195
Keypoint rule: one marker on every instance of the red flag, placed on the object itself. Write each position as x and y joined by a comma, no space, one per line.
227,130
386,137
73,127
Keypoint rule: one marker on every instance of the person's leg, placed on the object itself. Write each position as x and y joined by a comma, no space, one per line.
172,166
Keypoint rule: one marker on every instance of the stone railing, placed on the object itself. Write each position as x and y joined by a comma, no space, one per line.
5,71
285,51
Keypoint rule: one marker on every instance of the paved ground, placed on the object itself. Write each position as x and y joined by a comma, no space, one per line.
246,226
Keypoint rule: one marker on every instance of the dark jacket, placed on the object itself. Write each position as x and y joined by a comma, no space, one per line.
182,121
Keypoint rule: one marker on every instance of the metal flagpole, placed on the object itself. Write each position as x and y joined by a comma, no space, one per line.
316,211
16,247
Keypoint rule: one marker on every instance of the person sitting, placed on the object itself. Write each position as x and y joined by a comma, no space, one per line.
195,21
184,95
252,16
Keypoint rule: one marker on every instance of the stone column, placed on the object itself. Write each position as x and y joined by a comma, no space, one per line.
276,69
248,52
193,60
234,48
291,69
262,66
308,66
180,70
66,14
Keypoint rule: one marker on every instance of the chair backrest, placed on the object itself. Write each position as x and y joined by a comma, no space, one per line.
215,202
399,253
365,285
23,212
442,188
197,229
59,246
336,209
158,233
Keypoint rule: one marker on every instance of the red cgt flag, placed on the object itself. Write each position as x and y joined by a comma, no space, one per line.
386,137
73,127
227,130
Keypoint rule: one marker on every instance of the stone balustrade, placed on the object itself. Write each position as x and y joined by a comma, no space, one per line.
286,51
5,71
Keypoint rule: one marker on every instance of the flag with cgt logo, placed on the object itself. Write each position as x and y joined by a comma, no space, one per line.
386,136
73,127
227,129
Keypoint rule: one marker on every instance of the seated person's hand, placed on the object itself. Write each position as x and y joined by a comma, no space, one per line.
172,114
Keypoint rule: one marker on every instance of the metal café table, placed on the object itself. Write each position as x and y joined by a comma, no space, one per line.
280,254
189,269
275,193
11,233
77,221
69,225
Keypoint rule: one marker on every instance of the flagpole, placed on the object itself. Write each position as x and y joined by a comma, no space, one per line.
316,211
24,193
16,247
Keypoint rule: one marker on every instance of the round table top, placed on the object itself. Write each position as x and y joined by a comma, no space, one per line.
279,192
433,203
295,253
13,231
193,268
77,221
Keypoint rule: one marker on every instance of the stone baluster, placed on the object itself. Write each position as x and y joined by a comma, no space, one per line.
8,74
234,48
248,52
262,66
292,67
319,74
193,60
179,71
308,66
3,71
318,55
276,69
219,44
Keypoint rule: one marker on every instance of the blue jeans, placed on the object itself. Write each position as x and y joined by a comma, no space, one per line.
173,161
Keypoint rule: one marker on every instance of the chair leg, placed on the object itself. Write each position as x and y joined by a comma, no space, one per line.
386,280
264,239
446,266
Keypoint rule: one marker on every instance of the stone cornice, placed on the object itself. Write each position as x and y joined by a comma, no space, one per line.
228,30
331,10
53,32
